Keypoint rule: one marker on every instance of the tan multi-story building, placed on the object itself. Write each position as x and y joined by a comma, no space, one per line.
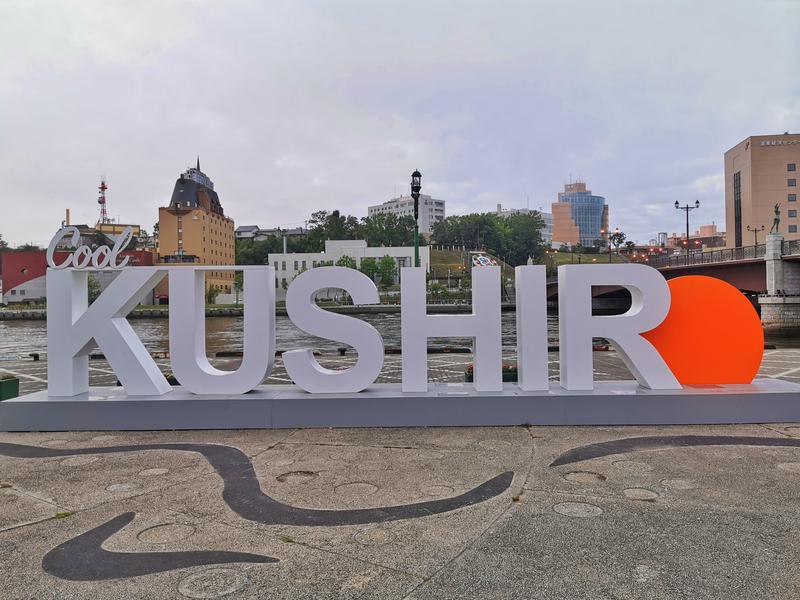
194,230
760,172
579,217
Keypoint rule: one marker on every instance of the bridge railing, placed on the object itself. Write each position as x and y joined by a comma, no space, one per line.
790,247
710,256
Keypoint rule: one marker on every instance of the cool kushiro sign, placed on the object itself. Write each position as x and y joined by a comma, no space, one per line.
652,338
74,327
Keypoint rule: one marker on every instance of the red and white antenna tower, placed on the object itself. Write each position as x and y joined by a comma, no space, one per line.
102,201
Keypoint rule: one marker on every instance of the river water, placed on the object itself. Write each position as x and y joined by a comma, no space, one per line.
225,334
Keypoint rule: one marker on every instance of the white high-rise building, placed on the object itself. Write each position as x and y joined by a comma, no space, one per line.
431,211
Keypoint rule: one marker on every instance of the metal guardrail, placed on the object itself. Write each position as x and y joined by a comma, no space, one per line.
709,256
790,248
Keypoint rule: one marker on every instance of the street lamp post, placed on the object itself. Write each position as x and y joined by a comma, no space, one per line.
755,231
416,186
603,234
686,209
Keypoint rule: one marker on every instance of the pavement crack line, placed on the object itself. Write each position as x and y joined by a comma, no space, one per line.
482,534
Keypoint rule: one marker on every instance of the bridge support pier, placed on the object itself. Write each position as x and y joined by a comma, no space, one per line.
780,307
780,314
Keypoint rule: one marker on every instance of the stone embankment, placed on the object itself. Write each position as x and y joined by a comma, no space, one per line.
162,313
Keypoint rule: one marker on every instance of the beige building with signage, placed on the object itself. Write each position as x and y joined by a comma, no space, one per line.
194,230
760,172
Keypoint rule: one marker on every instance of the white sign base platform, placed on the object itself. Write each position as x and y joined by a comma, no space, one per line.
384,405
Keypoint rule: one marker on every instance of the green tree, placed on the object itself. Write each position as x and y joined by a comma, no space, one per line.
28,248
94,288
346,261
522,238
238,284
387,271
324,225
515,237
252,252
369,267
3,243
437,290
630,246
212,292
617,238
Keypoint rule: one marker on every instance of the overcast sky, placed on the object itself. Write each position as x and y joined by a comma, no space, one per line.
299,106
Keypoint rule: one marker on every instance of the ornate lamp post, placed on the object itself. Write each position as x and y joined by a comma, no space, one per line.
755,231
686,209
416,186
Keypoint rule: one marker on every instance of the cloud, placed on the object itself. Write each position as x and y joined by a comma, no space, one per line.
299,106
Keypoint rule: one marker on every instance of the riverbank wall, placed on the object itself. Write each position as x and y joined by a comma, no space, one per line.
163,313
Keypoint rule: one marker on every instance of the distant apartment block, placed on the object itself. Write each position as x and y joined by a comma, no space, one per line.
707,236
579,217
288,266
760,172
431,211
255,233
547,232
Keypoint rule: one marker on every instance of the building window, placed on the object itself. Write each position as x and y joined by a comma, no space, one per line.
791,167
283,265
793,213
792,197
737,208
792,228
295,265
791,182
276,265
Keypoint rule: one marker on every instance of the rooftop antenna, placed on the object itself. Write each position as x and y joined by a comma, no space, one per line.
102,201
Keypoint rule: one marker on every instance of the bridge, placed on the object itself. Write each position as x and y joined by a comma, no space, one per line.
745,267
768,274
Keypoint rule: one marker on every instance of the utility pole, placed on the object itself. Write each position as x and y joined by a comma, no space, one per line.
686,209
755,233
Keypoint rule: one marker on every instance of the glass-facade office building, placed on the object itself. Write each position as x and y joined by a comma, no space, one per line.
579,217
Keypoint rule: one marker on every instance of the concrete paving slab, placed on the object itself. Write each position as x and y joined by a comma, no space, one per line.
668,522
716,477
301,572
555,546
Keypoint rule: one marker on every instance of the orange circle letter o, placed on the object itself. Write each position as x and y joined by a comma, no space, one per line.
712,334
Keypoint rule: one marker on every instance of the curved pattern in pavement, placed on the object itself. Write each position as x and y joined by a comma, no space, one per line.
638,444
83,559
242,491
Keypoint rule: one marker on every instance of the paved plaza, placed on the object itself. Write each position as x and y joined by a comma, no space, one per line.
424,514
781,363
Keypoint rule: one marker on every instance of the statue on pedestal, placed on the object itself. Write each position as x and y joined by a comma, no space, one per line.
776,222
